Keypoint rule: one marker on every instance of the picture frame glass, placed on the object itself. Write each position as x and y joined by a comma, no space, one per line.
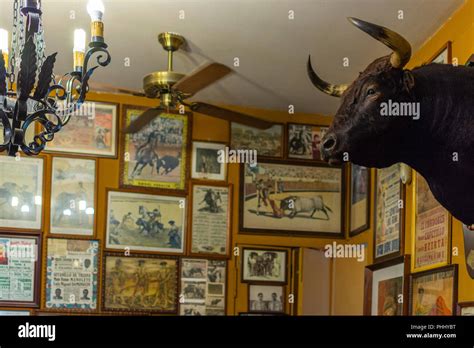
260,265
360,200
266,298
304,140
267,142
208,162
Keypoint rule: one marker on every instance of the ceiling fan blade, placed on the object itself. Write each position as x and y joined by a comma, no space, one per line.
201,78
229,115
142,120
104,87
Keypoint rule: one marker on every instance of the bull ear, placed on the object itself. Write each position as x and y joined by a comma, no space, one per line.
408,80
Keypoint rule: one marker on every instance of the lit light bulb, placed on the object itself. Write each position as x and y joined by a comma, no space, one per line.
67,212
82,205
96,9
79,40
14,201
4,45
25,208
38,200
90,211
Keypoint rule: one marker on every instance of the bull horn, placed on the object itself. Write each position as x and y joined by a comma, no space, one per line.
323,86
401,48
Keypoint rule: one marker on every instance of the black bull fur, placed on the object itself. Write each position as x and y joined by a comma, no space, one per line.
439,145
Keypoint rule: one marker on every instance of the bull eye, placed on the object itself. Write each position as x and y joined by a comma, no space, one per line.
370,91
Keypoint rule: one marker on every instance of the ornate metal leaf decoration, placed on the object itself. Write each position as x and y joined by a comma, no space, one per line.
3,76
27,75
45,77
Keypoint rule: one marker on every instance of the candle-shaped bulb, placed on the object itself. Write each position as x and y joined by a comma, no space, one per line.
79,48
4,45
96,9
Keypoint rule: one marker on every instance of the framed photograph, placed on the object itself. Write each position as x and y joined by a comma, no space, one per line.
140,283
211,219
386,287
73,182
91,130
156,157
267,142
360,199
434,292
388,234
465,309
208,161
144,222
303,141
292,198
431,241
266,298
72,274
264,265
444,54
20,270
21,192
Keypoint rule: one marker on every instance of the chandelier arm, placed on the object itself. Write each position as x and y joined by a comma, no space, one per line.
7,130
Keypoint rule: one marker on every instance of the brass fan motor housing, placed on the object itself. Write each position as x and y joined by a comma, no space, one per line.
171,41
160,82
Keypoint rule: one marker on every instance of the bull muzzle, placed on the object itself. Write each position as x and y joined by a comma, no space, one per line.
329,149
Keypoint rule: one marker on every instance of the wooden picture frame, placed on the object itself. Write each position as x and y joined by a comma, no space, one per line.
259,279
470,61
258,133
401,220
72,197
294,146
438,301
15,312
255,287
71,303
447,51
359,203
398,267
73,131
291,194
131,169
467,307
212,146
35,254
158,261
140,223
206,251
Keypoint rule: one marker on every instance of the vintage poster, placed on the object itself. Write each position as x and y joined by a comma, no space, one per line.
207,163
388,297
387,289
72,274
360,207
156,156
141,284
21,192
91,130
303,141
210,220
264,265
18,258
145,222
267,142
266,298
73,196
432,234
291,198
388,215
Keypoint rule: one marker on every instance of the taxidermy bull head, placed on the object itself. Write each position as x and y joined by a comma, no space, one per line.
423,117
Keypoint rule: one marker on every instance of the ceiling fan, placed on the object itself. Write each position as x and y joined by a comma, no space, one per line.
173,88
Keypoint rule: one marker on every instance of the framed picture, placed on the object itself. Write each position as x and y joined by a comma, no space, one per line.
386,287
156,157
266,298
431,241
144,222
203,287
14,313
444,54
465,309
73,182
264,265
21,192
208,161
304,139
72,271
434,292
360,199
140,283
470,61
267,142
91,130
292,198
388,234
211,219
20,270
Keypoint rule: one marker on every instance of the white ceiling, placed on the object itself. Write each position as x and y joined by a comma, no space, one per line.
271,48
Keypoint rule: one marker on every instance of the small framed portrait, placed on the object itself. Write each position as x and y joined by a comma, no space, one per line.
266,142
434,292
264,265
211,219
144,222
157,156
386,287
91,130
360,199
140,283
465,309
266,298
208,161
73,183
20,271
21,193
72,271
304,141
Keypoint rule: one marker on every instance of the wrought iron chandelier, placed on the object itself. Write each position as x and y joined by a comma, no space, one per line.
40,98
